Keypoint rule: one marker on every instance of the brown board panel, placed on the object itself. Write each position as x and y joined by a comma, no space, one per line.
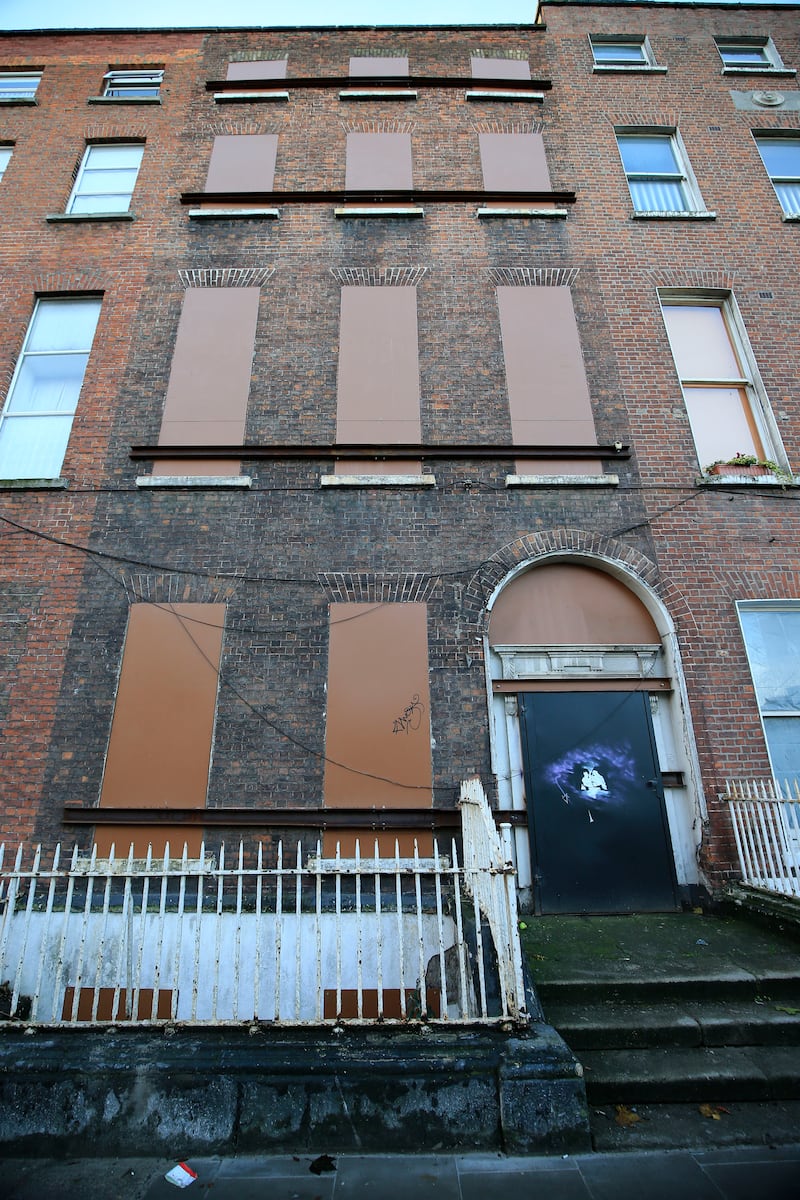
369,65
267,68
209,381
500,68
378,160
547,390
514,162
378,388
378,734
242,162
160,747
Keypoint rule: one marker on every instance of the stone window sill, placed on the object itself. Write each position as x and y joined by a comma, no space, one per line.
688,215
377,481
55,218
510,95
193,481
32,484
634,69
521,211
380,210
378,94
124,100
776,72
233,214
18,102
769,481
791,217
250,97
562,480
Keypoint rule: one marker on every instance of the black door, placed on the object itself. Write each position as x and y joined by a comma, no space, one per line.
596,815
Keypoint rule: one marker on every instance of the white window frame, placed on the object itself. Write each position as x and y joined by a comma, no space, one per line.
141,85
779,714
683,175
5,158
33,414
27,95
751,381
646,63
771,59
778,180
79,193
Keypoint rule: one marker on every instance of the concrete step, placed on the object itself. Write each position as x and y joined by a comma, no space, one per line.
607,1025
732,984
671,1075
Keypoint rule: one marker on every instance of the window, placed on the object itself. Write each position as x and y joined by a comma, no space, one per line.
781,157
106,179
372,65
19,87
209,381
658,173
619,53
749,54
132,85
378,160
37,418
772,640
499,68
242,162
159,751
5,159
514,162
719,379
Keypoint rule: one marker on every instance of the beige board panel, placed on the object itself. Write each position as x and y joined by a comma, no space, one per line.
500,68
378,160
514,162
267,68
547,390
209,381
378,389
242,162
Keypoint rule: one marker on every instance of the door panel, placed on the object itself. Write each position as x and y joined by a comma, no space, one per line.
596,813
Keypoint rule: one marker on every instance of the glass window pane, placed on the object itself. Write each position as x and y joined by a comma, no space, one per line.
33,447
100,157
658,195
18,87
744,56
700,342
63,325
772,636
783,740
649,153
789,196
722,425
5,158
48,383
781,156
96,183
619,52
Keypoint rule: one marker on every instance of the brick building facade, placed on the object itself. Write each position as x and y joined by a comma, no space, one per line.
391,460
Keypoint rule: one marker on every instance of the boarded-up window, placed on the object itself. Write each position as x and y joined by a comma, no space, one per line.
209,381
368,65
500,68
547,390
160,748
378,737
378,160
514,162
242,163
378,386
268,68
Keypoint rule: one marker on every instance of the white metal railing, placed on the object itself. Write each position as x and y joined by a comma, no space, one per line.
766,826
239,939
